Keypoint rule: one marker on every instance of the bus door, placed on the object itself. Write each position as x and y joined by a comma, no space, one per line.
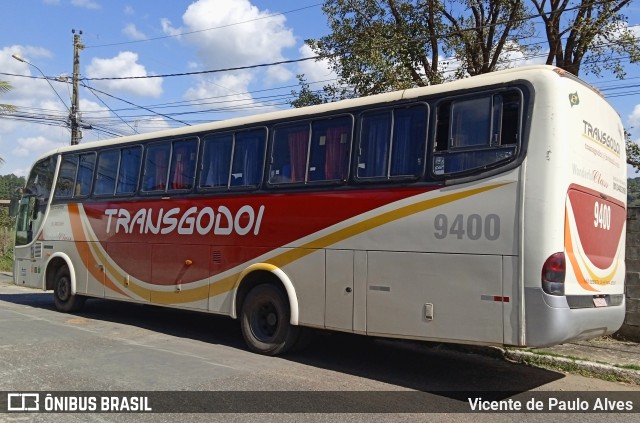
29,258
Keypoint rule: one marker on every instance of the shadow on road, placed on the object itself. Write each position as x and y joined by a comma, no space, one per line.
427,367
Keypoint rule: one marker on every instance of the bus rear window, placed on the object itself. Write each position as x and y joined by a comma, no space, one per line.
476,133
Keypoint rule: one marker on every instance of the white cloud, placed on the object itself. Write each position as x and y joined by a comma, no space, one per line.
224,91
224,94
129,11
168,29
27,91
279,74
29,53
87,4
230,34
244,35
314,70
35,146
634,118
132,32
125,64
151,124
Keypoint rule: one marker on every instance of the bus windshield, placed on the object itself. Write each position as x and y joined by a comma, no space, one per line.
34,200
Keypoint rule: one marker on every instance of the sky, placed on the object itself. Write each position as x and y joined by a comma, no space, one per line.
124,38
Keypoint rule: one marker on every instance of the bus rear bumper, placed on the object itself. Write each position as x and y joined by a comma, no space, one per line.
550,320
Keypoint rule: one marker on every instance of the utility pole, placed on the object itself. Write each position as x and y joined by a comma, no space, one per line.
74,112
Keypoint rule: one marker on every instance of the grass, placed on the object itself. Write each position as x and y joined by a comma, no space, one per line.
569,365
572,367
628,366
6,262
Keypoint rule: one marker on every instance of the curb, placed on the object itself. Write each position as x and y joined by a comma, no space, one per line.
605,370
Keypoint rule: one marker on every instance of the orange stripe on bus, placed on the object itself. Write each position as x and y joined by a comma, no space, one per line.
568,245
230,282
83,247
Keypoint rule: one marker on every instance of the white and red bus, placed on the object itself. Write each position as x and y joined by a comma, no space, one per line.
489,210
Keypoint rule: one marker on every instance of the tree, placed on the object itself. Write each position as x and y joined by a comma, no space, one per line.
10,190
5,108
384,45
484,33
588,34
377,46
4,88
633,151
305,97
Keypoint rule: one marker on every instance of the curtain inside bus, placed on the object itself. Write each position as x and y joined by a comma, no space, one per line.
337,153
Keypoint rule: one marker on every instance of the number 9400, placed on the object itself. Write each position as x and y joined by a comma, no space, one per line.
602,216
472,227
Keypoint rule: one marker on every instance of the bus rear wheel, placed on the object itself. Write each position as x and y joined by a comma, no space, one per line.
264,319
63,299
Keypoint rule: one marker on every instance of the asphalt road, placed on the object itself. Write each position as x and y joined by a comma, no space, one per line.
114,346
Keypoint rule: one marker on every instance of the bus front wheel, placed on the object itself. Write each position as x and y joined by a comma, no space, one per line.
64,300
264,318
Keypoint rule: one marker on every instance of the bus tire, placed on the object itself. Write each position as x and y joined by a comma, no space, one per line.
62,297
265,321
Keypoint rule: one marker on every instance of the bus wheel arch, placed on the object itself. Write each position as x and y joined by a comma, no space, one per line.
268,314
60,277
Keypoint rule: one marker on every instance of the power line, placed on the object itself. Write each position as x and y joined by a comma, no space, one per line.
261,65
107,106
130,103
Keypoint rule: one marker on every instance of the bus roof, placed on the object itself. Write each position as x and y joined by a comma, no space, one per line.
525,72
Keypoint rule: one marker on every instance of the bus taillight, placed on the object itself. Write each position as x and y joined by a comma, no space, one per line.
553,273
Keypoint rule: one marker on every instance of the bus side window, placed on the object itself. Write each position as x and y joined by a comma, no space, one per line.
373,148
311,152
329,150
476,133
156,167
509,128
216,161
289,154
248,158
66,176
392,143
84,179
129,170
183,164
105,183
409,141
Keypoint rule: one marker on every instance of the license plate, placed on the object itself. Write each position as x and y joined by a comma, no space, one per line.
599,302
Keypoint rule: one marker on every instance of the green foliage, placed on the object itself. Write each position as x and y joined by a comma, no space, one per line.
5,108
10,186
306,97
378,46
5,87
633,151
9,190
384,45
633,192
588,34
6,261
7,224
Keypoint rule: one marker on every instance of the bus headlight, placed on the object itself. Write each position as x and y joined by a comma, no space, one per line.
553,273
